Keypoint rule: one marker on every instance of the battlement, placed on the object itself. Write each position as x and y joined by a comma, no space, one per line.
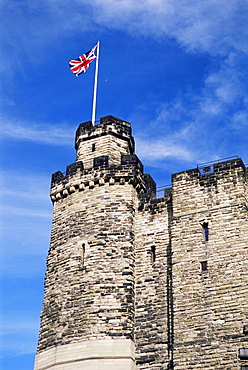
128,163
105,154
109,125
211,169
112,138
76,178
209,186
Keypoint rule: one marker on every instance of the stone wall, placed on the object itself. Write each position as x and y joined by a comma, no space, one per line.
210,271
151,316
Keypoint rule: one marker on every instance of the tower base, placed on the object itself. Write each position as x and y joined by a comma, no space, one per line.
106,354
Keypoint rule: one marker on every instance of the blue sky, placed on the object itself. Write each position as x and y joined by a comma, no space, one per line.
176,70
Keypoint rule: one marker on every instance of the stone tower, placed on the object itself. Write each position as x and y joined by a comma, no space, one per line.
135,282
210,266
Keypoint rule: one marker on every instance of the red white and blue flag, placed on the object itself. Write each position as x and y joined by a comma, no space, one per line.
81,64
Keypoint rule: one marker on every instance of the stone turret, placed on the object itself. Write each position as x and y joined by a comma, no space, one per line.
88,314
112,138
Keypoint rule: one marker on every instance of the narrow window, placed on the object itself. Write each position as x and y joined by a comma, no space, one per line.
204,266
205,230
93,147
153,253
82,256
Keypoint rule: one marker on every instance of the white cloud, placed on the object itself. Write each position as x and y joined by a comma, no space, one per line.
240,120
26,186
153,150
23,324
206,126
42,133
26,205
19,334
25,212
211,26
214,27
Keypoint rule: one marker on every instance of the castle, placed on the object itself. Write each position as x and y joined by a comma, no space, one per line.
135,282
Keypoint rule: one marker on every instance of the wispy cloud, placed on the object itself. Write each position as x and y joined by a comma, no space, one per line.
27,206
206,26
27,186
42,133
154,150
25,212
21,327
23,324
215,28
20,20
199,127
193,126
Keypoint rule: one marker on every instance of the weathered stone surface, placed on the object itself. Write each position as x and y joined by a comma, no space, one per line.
167,275
210,307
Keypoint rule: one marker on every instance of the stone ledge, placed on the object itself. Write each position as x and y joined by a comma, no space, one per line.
107,354
63,190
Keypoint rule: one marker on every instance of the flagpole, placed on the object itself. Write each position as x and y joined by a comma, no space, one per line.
95,86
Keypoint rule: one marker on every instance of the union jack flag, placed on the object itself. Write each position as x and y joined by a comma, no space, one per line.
82,63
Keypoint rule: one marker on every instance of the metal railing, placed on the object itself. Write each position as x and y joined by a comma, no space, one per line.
217,161
161,189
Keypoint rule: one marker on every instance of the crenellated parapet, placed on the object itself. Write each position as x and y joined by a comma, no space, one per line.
111,138
77,178
209,186
105,156
109,125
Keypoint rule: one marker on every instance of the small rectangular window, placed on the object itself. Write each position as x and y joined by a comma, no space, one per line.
204,266
153,253
245,329
206,231
93,147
